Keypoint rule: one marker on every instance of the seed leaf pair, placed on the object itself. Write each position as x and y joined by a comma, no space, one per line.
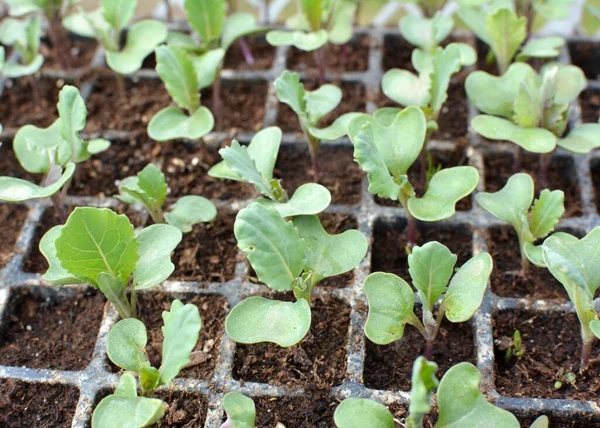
24,34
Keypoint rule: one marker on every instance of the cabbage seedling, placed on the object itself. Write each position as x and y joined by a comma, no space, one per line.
24,35
52,151
386,145
240,410
318,22
287,256
590,17
391,299
100,248
149,188
531,219
125,346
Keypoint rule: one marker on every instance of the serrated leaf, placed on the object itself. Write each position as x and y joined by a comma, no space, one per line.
391,305
299,39
447,61
424,384
445,189
407,89
546,47
273,245
537,140
191,210
341,21
206,17
426,33
336,130
156,243
256,320
177,71
529,106
18,190
207,66
546,212
360,412
322,101
582,139
240,410
55,274
239,25
126,343
290,91
507,32
308,199
171,123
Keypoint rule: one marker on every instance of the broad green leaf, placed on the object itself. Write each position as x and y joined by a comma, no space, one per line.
127,386
541,422
181,329
546,212
570,82
312,10
18,190
424,384
308,199
475,19
273,245
329,255
177,71
537,140
257,319
37,149
72,113
322,101
206,17
191,210
179,39
239,25
547,47
445,189
126,343
466,289
462,381
156,243
391,304
528,108
426,33
14,70
535,254
582,139
447,61
55,274
430,268
88,24
340,26
290,91
149,379
336,130
590,17
595,327
299,39
152,182
407,89
97,240
171,123
361,413
208,66
241,412
507,33
118,13
512,202
468,55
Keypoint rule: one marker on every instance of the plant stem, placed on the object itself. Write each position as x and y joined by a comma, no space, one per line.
216,101
121,85
59,207
314,144
169,10
545,160
246,51
586,352
320,59
434,333
133,303
412,222
156,214
518,159
34,91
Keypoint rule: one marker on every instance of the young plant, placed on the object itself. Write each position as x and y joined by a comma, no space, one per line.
52,151
125,346
590,17
391,299
24,35
318,22
386,145
515,347
240,410
287,256
100,248
149,188
532,220
575,263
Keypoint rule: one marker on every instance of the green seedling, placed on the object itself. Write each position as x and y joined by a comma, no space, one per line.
564,377
149,188
125,346
575,263
24,34
319,22
391,299
52,151
515,348
240,410
590,17
100,248
287,256
532,220
386,145
255,164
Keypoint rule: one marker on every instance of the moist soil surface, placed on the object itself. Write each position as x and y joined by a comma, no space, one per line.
313,409
590,105
51,333
585,56
36,404
397,53
352,56
82,53
12,218
390,366
317,362
388,250
561,175
551,342
338,172
9,164
263,54
400,413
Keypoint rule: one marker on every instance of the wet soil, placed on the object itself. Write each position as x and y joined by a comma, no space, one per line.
18,106
590,106
585,56
262,52
314,409
82,53
12,218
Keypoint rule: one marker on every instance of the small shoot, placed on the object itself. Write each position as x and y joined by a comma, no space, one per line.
100,248
240,410
515,348
24,34
590,17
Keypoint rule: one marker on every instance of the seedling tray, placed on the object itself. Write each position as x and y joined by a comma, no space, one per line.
95,379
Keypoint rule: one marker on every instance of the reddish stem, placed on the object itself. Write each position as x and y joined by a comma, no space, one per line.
216,101
320,59
246,51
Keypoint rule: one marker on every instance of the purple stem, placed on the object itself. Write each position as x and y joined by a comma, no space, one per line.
246,51
320,59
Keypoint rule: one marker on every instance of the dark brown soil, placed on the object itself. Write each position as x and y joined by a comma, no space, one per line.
389,253
319,361
209,252
454,118
400,413
12,218
263,54
585,56
51,332
590,106
507,280
397,53
338,172
551,341
82,53
595,172
110,110
353,56
314,409
563,422
10,166
561,175
25,404
390,366
18,106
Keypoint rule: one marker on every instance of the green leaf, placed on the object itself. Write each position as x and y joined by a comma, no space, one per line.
535,254
466,289
148,187
191,210
241,412
595,327
471,409
126,345
468,55
341,21
546,212
541,422
507,33
97,240
239,25
590,17
156,243
360,413
273,245
206,17
18,190
426,33
88,24
447,61
208,66
537,140
171,123
308,199
257,319
55,274
430,268
445,189
336,130
329,255
582,139
570,82
475,19
290,91
313,10
37,149
14,70
547,47
391,304
177,71
118,13
512,202
407,89
529,106
322,101
424,383
299,39
181,331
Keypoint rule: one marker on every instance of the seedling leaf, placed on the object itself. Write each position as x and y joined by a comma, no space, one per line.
512,202
206,17
308,199
546,212
171,123
238,25
18,190
299,39
156,242
240,410
537,140
360,412
191,210
177,71
424,383
126,343
582,139
55,274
